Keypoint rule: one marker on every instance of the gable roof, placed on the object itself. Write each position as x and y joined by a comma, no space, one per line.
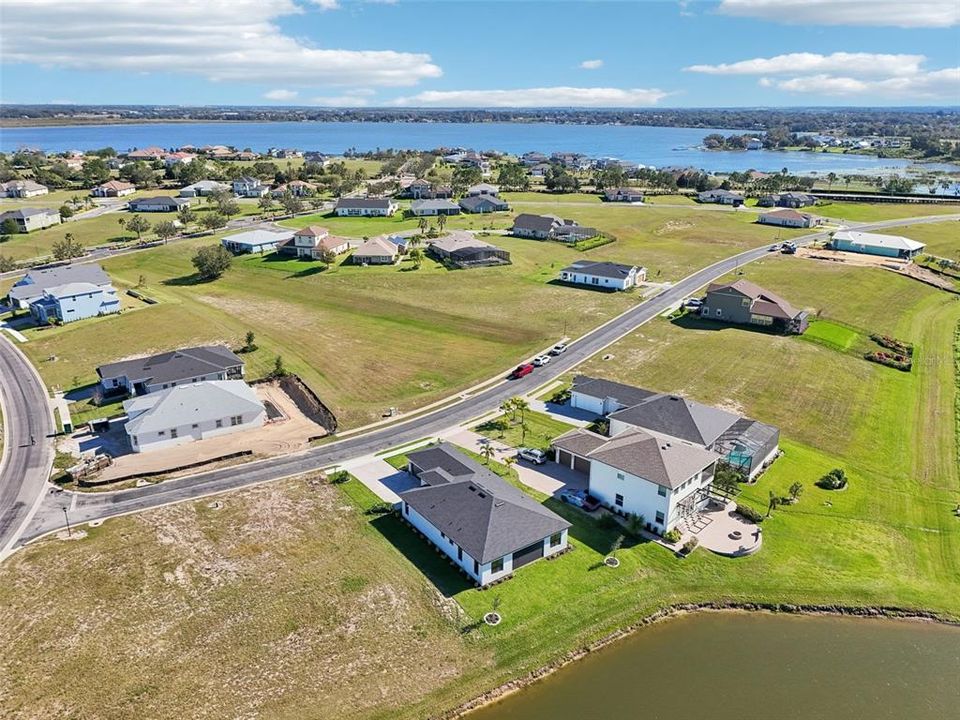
24,213
72,289
601,388
255,238
474,201
662,461
459,241
786,214
540,223
617,271
36,281
897,242
678,417
763,302
193,403
479,511
173,366
116,185
376,247
312,231
364,203
438,204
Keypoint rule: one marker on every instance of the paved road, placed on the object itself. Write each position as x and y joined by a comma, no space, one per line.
84,507
24,467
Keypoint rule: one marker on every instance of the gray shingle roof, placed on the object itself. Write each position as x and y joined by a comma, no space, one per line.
480,512
626,395
364,203
539,223
173,366
613,270
439,204
678,417
470,204
57,276
763,301
24,213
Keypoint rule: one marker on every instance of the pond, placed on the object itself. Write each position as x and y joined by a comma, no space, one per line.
732,666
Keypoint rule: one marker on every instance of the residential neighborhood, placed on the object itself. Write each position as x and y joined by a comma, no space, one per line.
29,219
603,275
744,303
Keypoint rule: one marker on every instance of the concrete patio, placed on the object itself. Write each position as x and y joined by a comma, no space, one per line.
720,529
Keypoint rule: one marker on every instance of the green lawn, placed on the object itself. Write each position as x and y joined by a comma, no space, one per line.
874,212
541,430
831,334
941,239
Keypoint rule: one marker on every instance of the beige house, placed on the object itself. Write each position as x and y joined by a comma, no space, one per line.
376,251
23,189
114,188
313,241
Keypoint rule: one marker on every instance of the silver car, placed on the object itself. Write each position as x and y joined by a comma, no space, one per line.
537,457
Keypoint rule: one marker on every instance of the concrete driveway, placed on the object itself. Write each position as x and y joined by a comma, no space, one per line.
383,480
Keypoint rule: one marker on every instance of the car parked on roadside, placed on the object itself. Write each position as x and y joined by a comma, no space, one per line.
537,457
541,360
579,498
774,248
521,371
693,303
558,349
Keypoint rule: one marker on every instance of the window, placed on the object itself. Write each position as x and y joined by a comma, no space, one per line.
497,565
161,433
661,491
194,426
219,423
618,500
719,312
555,539
659,518
173,432
236,419
476,568
620,476
459,553
406,508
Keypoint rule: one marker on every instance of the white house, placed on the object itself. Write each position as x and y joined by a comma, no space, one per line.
202,188
365,207
23,189
312,241
420,208
29,219
186,413
74,301
895,246
788,218
159,203
153,373
603,275
485,526
256,241
33,284
249,187
114,188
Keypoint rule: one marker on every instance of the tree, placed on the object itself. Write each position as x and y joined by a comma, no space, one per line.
523,431
291,203
165,230
416,254
441,222
67,249
279,371
464,177
522,406
138,225
266,203
95,172
226,205
249,342
423,224
796,490
122,222
65,211
213,220
773,504
831,179
513,176
328,258
615,546
7,264
9,227
211,261
186,216
487,452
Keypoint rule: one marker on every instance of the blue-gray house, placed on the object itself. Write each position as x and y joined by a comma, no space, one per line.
74,301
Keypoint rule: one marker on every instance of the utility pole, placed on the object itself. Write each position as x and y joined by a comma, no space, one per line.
67,521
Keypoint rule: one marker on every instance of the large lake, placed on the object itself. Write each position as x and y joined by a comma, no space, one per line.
733,666
647,145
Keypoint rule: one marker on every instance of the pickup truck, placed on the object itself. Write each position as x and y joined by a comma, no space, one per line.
521,371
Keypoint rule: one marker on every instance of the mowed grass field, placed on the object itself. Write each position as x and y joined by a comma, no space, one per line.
941,239
872,212
259,605
368,338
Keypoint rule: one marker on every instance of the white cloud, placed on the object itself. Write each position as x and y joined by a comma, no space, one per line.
327,4
222,40
351,98
591,64
281,94
935,85
871,64
537,97
896,13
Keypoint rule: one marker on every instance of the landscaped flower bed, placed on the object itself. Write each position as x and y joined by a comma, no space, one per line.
894,360
898,346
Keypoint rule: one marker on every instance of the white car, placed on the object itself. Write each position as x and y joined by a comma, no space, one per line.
537,457
693,303
541,360
558,349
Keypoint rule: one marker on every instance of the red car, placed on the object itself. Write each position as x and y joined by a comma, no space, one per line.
521,371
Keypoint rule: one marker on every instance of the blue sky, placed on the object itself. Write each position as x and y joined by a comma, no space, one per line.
374,53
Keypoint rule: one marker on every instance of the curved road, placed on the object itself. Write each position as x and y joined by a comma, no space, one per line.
83,507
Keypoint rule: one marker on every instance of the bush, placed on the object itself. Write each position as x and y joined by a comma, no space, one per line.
747,512
607,522
836,479
380,508
689,546
339,477
898,346
211,261
672,536
900,362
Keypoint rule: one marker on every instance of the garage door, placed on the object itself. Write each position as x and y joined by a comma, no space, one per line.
581,465
528,554
564,458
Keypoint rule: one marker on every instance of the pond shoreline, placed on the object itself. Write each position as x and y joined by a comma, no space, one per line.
675,611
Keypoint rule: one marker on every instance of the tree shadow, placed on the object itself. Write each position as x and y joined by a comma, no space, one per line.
691,321
579,286
433,564
187,280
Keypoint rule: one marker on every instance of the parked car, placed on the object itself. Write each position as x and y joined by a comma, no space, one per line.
774,248
521,371
693,303
541,360
580,499
558,349
788,249
537,457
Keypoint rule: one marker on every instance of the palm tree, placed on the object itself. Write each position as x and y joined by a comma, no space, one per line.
773,504
523,431
441,222
831,179
423,224
416,254
507,406
487,452
522,406
122,222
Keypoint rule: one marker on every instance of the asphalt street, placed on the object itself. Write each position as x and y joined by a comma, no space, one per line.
83,507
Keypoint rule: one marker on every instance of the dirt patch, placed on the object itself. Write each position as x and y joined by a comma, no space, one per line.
672,226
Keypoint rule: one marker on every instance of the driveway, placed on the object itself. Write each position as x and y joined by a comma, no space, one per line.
383,480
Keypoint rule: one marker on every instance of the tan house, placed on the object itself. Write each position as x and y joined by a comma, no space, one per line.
114,188
313,241
23,189
376,251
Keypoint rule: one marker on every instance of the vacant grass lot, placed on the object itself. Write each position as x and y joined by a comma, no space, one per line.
872,212
941,239
369,338
258,608
541,429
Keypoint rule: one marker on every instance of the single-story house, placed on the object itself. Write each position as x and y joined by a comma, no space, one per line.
482,189
663,480
30,219
178,158
895,246
464,250
550,227
483,204
203,188
420,208
376,251
144,375
32,285
74,301
488,528
297,188
754,144
603,275
114,188
744,443
788,218
159,203
787,200
23,189
196,411
148,153
721,197
744,303
623,194
571,232
313,241
256,241
365,207
533,158
249,187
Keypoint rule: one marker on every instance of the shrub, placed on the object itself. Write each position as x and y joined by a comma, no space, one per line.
749,513
339,477
836,479
607,522
634,524
689,546
898,346
672,536
380,508
898,361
